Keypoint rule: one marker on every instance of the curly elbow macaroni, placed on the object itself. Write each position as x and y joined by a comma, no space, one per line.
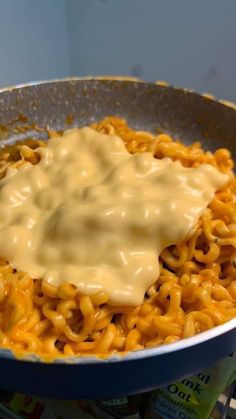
196,289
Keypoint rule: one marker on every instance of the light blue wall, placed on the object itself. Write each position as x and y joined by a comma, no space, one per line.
33,40
186,42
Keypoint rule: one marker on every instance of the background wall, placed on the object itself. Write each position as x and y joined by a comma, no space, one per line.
184,42
33,40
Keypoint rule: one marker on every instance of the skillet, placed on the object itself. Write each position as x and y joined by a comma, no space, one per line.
26,111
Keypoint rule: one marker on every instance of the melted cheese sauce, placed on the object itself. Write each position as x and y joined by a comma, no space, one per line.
92,214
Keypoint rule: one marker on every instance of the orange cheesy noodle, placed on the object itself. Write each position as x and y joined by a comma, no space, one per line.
195,291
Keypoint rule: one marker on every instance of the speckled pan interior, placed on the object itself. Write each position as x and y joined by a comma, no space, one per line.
63,104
